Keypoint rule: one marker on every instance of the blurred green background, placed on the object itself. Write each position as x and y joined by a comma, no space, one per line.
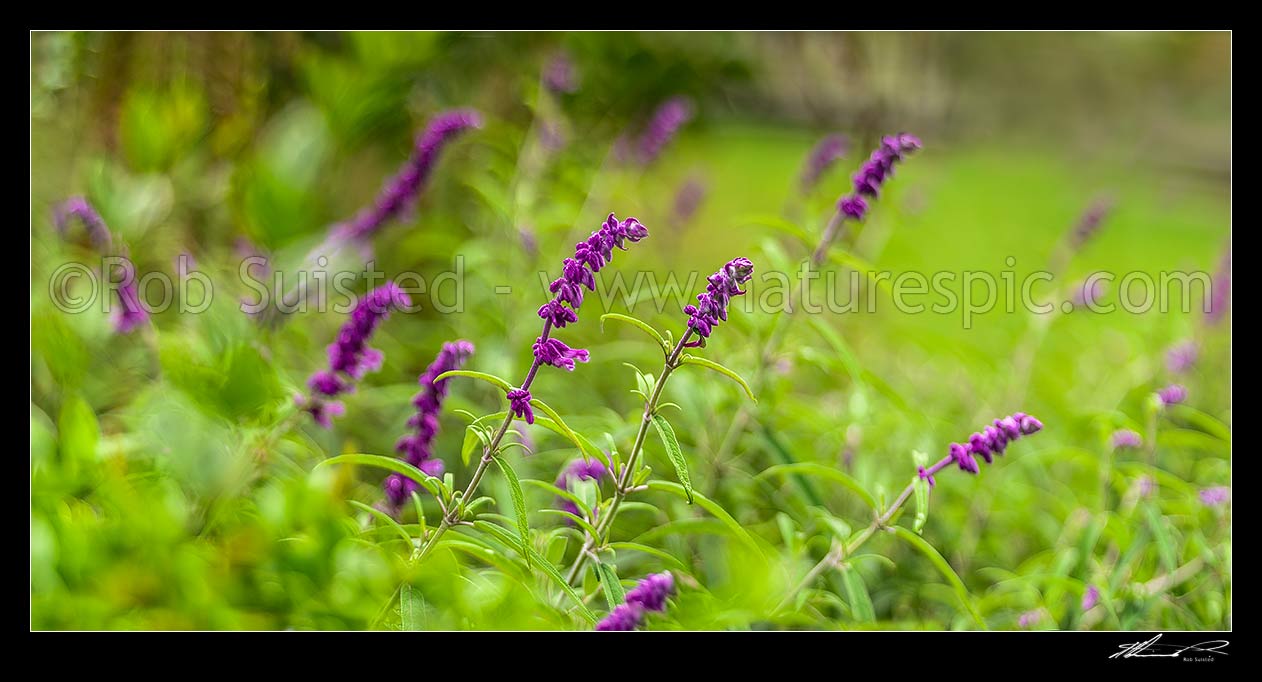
169,490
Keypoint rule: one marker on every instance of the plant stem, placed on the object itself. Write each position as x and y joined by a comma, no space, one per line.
628,470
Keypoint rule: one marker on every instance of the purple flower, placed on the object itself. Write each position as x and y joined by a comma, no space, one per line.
1089,222
322,411
990,441
1125,438
406,185
592,470
666,121
1181,357
559,75
130,314
827,152
1215,497
624,618
554,352
519,403
1172,394
711,308
1090,598
875,171
78,207
1222,291
648,595
1146,486
1089,292
350,358
688,199
1029,618
417,447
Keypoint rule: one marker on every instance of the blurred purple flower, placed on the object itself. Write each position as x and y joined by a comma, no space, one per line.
1215,497
560,75
1029,618
1089,223
417,447
1125,438
689,198
1090,598
648,595
592,470
666,121
712,304
1172,394
990,441
876,170
1181,356
406,185
825,153
78,207
1089,293
1146,486
350,357
130,314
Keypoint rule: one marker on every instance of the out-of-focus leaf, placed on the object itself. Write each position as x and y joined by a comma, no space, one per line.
710,364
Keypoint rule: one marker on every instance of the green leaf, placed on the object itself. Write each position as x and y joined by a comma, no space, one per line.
676,455
519,505
944,568
710,506
77,430
554,424
781,225
638,324
710,364
544,485
582,523
857,595
614,594
489,378
847,259
433,485
548,568
652,551
1161,534
921,487
411,606
384,518
828,473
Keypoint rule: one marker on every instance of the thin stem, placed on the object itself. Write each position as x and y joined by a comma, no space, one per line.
623,487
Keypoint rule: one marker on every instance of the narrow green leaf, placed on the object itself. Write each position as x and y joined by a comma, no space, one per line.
396,465
558,426
614,594
580,521
1161,534
676,455
384,518
519,506
420,515
548,568
651,551
857,595
544,485
827,473
731,374
489,378
638,324
944,568
411,606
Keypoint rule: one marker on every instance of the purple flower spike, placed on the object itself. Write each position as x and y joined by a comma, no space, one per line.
689,198
1090,221
1215,497
1090,598
78,207
1172,394
559,75
711,308
1125,438
666,121
986,443
1181,357
624,618
401,191
519,403
417,447
648,595
350,357
554,352
130,314
1029,618
827,152
875,171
